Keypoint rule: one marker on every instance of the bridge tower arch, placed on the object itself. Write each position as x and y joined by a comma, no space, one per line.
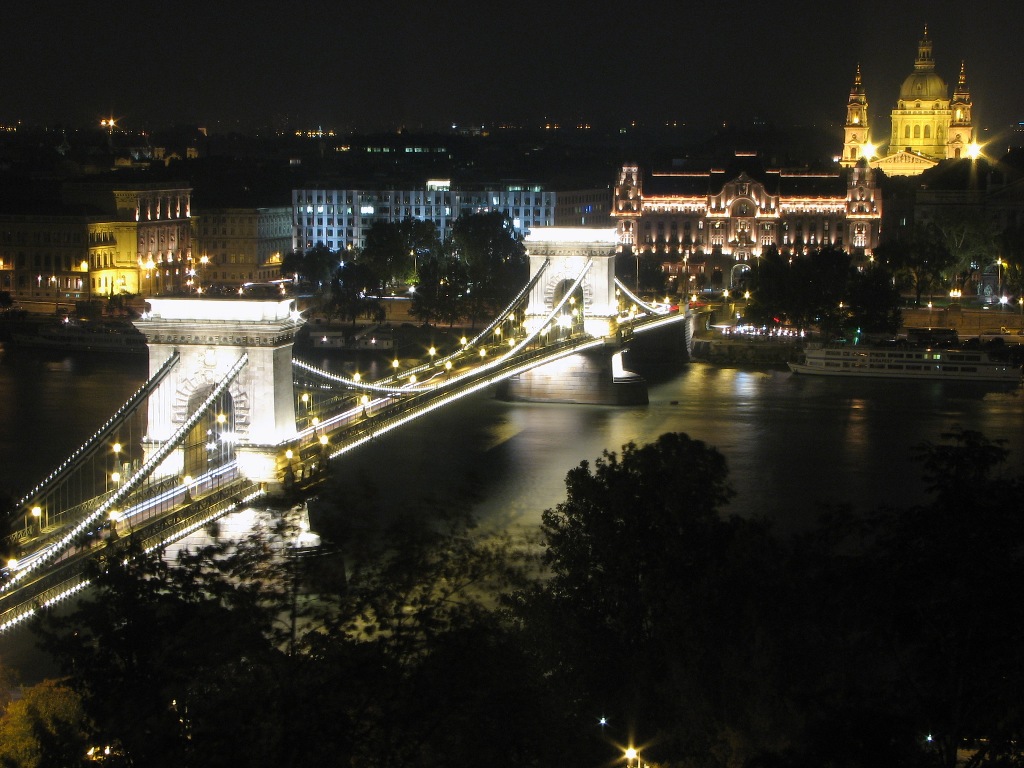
566,250
255,415
594,376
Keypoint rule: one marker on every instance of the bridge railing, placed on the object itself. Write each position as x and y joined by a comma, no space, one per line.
69,536
72,573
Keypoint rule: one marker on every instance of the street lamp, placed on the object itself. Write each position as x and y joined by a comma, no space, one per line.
632,755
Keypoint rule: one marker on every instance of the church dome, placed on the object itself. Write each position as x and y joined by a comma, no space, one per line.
924,86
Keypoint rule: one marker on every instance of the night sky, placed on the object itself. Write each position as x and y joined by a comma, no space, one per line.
373,64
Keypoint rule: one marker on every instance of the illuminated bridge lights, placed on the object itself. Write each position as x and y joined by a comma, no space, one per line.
131,484
412,393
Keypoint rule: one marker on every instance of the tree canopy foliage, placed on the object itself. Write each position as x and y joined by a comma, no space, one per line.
823,290
652,617
921,262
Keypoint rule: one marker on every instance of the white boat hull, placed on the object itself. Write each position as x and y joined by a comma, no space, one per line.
906,363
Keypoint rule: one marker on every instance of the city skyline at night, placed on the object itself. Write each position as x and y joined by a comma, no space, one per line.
427,67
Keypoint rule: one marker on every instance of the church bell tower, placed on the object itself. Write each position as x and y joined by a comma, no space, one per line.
857,141
961,129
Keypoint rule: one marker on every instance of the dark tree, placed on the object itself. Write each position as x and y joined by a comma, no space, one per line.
441,295
938,577
45,726
874,301
350,295
493,258
918,262
1011,243
657,610
315,266
394,250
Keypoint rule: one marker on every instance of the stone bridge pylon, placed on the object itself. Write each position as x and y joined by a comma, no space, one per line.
596,376
256,413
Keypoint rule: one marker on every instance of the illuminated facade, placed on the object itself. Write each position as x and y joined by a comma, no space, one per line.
927,125
234,246
723,219
140,241
341,218
100,240
44,259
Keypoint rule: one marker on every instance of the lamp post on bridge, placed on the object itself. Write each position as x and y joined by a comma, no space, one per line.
37,518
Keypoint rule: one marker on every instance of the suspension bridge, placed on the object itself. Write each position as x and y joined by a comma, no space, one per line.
228,414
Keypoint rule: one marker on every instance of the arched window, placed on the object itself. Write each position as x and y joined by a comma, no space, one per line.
927,131
906,132
917,131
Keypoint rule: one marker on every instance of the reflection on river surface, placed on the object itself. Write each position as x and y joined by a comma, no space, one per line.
791,442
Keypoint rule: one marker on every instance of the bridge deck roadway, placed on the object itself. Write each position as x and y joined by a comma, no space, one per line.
71,572
343,430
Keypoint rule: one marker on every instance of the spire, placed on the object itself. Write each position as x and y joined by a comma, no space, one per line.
857,91
924,61
962,99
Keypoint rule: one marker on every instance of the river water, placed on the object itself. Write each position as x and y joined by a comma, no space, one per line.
792,443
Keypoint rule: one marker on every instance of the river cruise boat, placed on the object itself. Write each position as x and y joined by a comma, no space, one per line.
906,362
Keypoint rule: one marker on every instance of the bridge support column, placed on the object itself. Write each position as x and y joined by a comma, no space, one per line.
594,377
257,417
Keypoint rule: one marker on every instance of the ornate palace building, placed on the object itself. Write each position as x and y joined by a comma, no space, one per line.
927,125
711,226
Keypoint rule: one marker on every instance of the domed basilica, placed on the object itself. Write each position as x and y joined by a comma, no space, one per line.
927,126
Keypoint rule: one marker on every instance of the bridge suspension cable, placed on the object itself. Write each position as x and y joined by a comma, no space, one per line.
133,482
501,317
500,360
649,308
438,398
94,443
345,380
388,389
